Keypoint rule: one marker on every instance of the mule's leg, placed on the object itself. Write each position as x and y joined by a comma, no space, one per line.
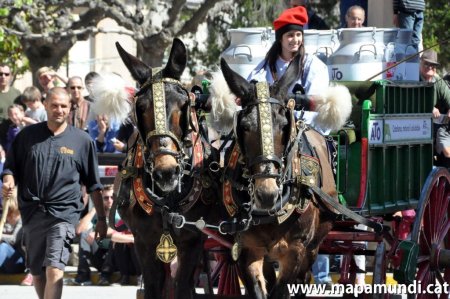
188,261
251,266
269,275
153,272
291,263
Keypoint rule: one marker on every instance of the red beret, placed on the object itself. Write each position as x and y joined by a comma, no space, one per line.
295,17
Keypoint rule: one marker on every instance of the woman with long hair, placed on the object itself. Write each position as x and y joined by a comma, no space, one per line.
306,71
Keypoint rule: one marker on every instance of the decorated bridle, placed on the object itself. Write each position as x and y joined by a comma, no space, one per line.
264,106
156,83
286,164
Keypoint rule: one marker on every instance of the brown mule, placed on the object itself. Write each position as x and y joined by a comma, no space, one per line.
165,180
268,188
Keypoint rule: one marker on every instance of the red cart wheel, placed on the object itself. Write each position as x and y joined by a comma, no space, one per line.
430,232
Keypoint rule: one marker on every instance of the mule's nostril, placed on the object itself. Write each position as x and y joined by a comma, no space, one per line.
167,174
157,175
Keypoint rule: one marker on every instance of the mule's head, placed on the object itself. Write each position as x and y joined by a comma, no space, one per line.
262,130
161,108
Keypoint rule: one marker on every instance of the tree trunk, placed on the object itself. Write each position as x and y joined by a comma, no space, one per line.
44,53
151,49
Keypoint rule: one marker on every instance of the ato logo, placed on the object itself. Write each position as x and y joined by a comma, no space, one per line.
375,132
336,74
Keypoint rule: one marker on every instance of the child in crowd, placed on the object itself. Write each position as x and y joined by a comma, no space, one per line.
35,111
15,115
12,257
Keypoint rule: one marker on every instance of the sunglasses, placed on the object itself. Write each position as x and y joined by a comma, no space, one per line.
5,74
76,87
427,64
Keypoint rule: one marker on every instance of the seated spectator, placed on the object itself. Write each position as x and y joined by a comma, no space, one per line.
12,257
344,5
35,111
355,17
125,131
97,254
125,254
104,133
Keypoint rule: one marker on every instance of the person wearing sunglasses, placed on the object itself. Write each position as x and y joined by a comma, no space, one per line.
79,111
8,94
428,73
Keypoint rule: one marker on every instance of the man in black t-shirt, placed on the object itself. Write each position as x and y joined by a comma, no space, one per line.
49,162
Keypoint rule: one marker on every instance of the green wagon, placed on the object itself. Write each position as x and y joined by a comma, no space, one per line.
385,166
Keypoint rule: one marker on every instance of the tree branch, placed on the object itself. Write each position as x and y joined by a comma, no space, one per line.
199,16
69,33
174,12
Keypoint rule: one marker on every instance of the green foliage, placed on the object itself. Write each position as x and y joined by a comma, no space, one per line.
11,51
435,29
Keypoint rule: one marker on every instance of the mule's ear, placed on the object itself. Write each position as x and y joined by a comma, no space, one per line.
237,84
177,60
139,70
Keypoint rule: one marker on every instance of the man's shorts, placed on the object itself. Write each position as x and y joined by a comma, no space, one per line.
442,138
47,242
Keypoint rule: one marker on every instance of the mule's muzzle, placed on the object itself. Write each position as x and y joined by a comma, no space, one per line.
267,193
167,179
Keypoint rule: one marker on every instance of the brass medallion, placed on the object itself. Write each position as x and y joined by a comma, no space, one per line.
166,249
235,251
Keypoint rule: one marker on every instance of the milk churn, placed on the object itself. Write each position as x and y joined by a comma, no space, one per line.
324,45
389,37
248,47
358,57
408,70
310,39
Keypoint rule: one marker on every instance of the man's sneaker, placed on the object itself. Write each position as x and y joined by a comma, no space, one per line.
103,281
28,280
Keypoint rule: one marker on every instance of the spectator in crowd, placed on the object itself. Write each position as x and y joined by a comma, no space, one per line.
12,257
428,65
49,190
314,21
98,254
88,82
408,14
15,115
104,131
8,94
48,78
80,108
126,259
35,112
355,17
344,5
125,131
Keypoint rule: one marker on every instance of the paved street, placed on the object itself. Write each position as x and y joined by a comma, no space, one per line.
72,292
